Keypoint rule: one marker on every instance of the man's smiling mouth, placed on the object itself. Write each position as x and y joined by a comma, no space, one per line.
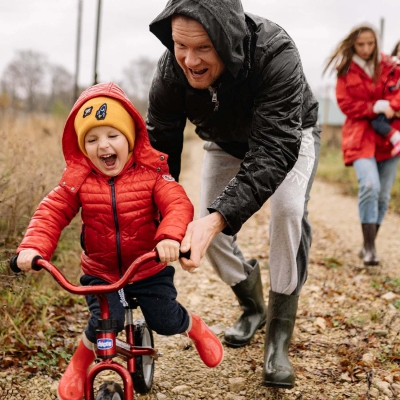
199,72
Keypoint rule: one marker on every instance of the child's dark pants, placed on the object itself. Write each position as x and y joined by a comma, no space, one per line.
381,124
156,296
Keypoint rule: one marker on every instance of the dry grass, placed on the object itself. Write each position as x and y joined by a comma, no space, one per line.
30,166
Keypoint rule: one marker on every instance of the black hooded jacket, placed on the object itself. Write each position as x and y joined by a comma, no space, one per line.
261,102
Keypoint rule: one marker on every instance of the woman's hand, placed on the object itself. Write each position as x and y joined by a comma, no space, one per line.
168,250
24,260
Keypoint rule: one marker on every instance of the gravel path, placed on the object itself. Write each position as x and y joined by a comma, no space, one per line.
346,343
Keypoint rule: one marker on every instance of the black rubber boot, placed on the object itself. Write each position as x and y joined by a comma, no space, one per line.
361,254
278,372
369,233
250,296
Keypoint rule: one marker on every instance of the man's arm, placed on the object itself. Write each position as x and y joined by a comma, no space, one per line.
275,137
166,118
273,150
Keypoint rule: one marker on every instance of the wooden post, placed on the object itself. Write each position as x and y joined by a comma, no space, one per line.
96,54
78,50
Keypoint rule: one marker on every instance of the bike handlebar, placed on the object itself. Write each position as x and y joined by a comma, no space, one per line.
39,263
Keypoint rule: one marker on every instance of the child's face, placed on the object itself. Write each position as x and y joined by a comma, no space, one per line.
107,148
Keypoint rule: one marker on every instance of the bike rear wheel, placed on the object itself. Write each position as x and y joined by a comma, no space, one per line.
143,377
110,391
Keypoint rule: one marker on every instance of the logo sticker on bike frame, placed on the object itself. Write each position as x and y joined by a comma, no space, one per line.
104,344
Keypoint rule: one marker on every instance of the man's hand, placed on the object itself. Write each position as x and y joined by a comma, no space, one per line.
24,260
199,235
168,250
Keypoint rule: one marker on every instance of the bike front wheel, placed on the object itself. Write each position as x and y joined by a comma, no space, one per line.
143,377
110,391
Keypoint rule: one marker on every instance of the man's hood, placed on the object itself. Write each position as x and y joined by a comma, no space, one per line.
223,20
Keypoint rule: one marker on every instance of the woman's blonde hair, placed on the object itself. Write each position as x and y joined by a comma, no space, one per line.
342,56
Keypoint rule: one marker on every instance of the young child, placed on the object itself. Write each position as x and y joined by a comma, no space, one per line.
385,124
122,185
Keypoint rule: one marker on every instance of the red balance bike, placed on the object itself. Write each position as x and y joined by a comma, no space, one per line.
138,349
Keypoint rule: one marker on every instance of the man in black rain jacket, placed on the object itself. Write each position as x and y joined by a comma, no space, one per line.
238,78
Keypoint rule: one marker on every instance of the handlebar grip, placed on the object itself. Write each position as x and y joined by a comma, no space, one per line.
34,266
14,265
184,255
181,255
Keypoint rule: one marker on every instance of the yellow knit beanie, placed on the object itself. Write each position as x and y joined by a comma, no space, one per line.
103,111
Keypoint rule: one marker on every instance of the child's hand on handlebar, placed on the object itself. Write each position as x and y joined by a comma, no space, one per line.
168,250
25,258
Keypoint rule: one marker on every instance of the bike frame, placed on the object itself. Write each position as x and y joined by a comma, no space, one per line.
112,346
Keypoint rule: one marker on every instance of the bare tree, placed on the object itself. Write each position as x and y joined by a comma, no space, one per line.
138,76
25,75
62,86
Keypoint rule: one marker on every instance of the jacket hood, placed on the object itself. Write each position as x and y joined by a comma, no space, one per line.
79,166
223,20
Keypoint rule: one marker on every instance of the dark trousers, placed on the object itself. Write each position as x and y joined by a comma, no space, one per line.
381,125
156,296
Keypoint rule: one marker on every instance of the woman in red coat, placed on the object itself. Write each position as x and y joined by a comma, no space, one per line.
362,73
122,185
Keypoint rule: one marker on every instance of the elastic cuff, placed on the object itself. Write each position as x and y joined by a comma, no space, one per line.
87,342
190,322
390,134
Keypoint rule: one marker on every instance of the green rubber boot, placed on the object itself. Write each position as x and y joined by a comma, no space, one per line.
250,296
278,372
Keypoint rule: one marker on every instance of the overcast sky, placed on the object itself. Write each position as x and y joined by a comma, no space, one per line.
49,27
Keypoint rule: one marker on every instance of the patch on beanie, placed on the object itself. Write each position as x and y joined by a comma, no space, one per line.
101,112
87,111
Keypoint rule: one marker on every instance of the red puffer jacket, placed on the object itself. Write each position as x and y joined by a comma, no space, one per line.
356,94
392,92
120,215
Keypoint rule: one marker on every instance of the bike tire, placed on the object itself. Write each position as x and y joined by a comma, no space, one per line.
143,377
110,391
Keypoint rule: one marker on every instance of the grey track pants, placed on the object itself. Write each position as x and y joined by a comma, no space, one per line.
290,231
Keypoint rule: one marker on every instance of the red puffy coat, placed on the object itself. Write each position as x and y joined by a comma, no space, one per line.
392,87
356,94
392,93
120,215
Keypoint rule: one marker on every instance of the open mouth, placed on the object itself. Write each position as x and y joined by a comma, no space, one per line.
109,160
198,73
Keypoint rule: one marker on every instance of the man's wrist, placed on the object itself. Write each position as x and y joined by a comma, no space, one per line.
218,221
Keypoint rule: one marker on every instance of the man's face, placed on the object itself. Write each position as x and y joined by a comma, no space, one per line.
195,53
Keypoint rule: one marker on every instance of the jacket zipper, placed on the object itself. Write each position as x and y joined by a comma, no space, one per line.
118,238
214,98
